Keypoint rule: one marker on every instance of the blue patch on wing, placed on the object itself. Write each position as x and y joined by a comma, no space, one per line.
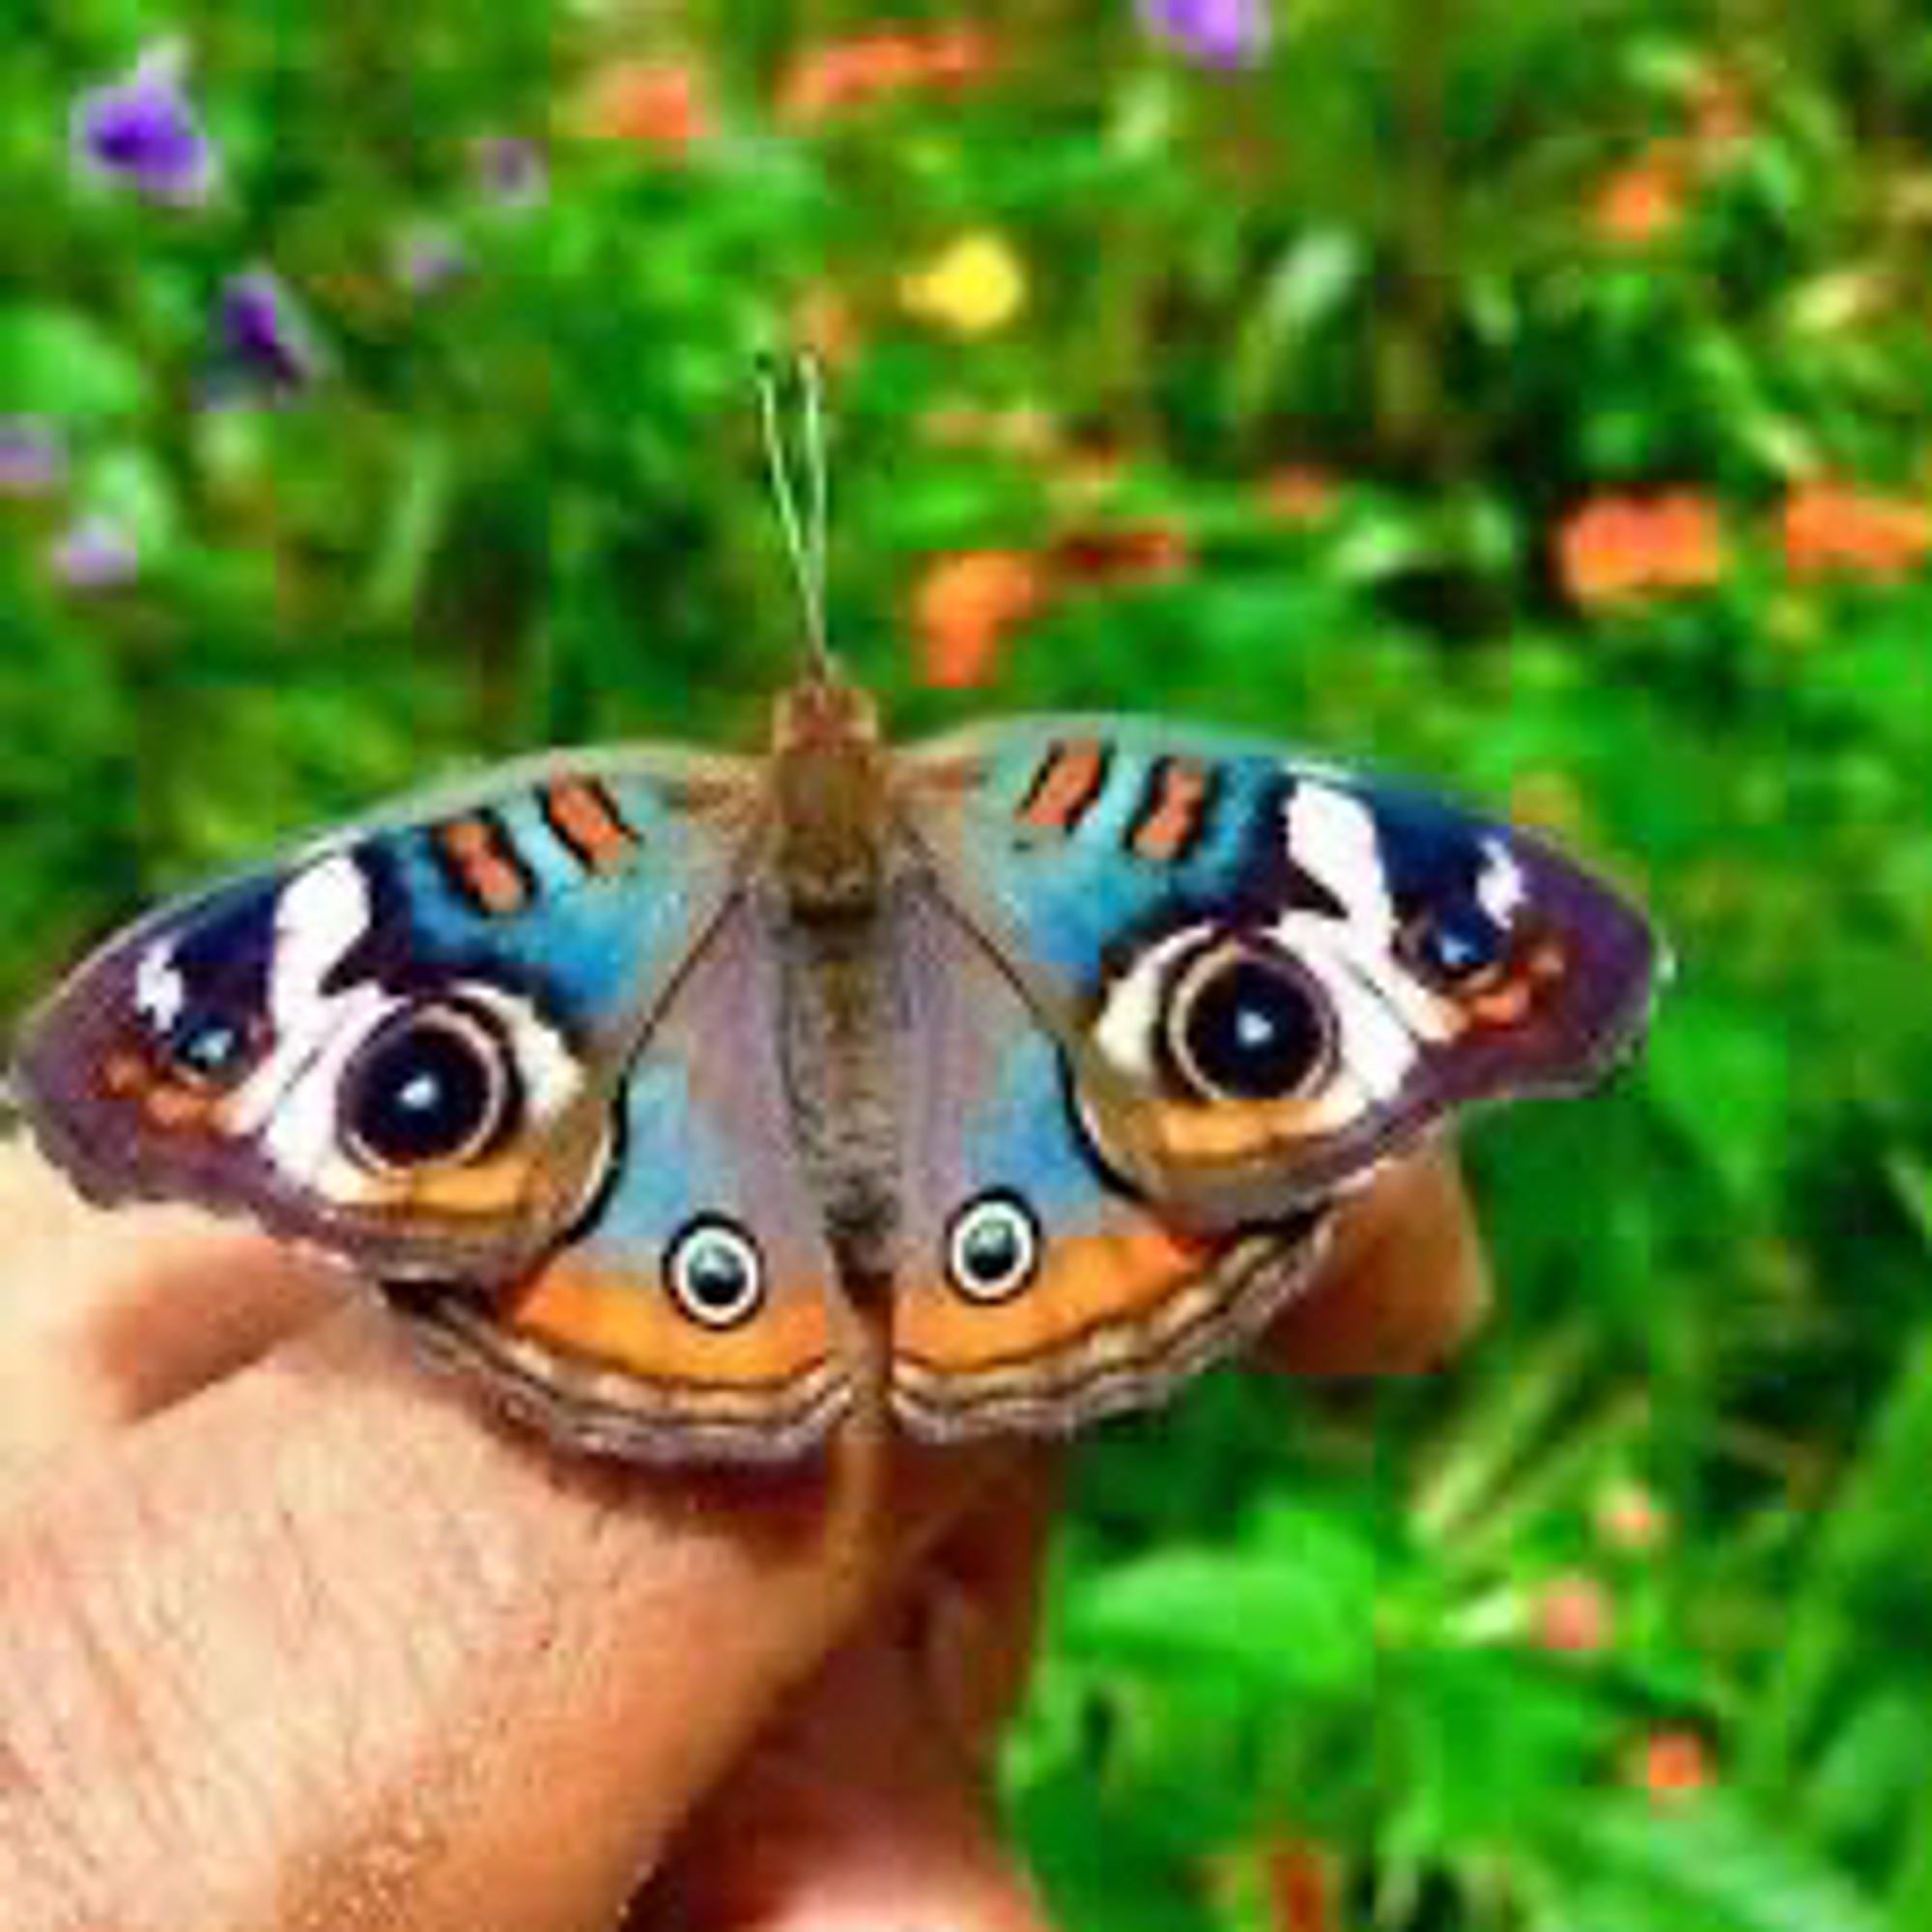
1072,896
587,947
1021,1137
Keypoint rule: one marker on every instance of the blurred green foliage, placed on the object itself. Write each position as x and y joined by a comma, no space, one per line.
1527,397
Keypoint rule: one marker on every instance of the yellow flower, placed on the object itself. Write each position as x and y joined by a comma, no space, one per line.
971,287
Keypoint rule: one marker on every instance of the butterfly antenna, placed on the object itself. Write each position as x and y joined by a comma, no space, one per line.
791,452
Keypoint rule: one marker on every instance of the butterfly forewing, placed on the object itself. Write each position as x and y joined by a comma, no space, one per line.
391,1044
1269,973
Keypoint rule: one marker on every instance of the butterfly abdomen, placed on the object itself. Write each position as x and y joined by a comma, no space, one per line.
838,1028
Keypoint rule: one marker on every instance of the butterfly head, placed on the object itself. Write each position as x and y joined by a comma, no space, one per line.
824,714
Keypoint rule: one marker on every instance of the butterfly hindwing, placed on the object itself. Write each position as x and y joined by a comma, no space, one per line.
387,1044
688,1311
1269,973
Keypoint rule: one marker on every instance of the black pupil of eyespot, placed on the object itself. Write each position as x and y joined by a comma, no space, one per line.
1458,942
207,1045
992,1248
715,1274
1253,1032
422,1093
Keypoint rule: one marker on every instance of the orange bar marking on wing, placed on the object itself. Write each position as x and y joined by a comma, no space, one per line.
586,818
622,1319
1117,1276
483,864
1065,785
1175,814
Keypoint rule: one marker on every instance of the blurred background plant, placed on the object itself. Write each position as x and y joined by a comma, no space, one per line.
1528,396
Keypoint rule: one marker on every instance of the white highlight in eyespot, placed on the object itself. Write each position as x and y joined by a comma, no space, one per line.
1501,890
159,990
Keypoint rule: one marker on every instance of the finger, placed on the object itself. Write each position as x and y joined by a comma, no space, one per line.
317,1647
865,1805
106,1318
1403,1286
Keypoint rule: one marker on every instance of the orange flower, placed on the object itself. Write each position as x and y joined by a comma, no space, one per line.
1687,544
855,72
1618,550
1829,527
1672,1766
1599,552
649,103
964,608
1573,1615
1631,1520
1300,1882
1642,201
1299,495
959,54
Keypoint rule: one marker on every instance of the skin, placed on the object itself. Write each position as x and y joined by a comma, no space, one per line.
292,1636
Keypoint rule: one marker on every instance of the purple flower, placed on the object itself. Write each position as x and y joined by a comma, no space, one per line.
511,171
143,130
32,458
266,343
95,552
1225,33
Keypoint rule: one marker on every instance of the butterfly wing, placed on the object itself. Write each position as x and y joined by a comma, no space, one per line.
399,1045
686,1313
1034,1290
1267,973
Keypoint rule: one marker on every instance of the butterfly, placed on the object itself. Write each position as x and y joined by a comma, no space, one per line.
699,1103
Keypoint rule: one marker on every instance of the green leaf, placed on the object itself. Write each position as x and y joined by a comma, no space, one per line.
1296,1615
59,362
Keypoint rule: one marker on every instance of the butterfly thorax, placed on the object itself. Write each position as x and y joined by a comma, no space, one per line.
831,802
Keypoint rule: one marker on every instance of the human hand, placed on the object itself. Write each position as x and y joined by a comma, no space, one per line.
291,1638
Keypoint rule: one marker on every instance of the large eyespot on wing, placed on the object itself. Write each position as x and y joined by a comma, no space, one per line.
686,1314
1267,973
1277,1057
380,1046
237,1055
436,1083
